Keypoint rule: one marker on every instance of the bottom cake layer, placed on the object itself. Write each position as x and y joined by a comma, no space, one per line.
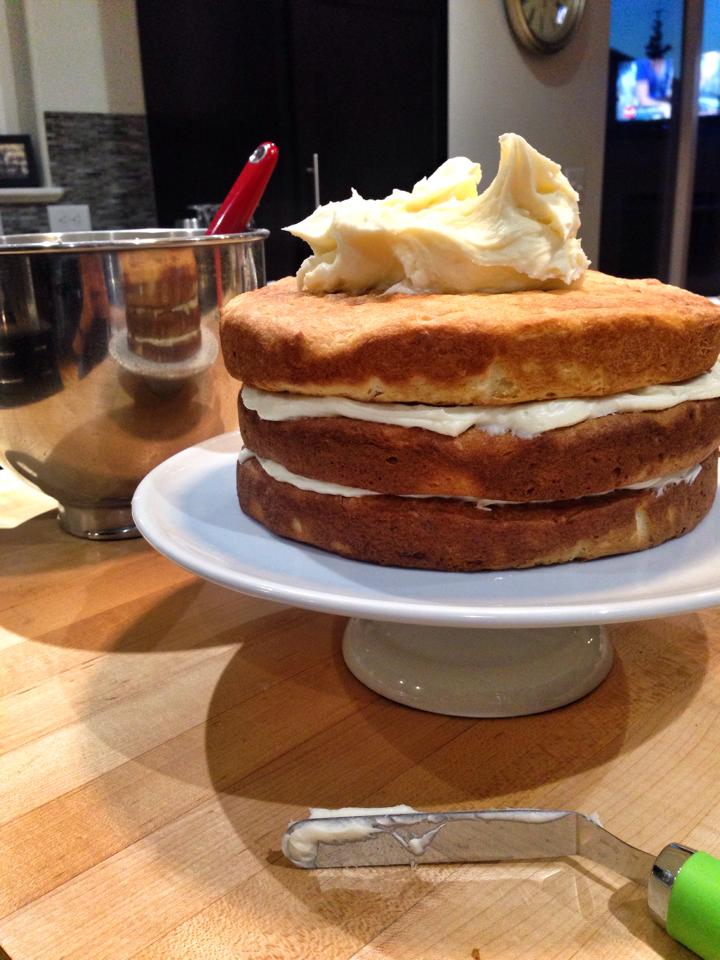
164,334
446,534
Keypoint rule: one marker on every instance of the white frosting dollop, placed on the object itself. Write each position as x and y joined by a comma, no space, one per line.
522,419
520,233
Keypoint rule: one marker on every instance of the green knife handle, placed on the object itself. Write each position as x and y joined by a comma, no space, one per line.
693,916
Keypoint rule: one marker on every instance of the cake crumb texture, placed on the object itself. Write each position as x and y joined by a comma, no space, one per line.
453,535
603,335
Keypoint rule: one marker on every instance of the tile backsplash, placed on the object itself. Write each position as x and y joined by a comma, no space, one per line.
102,160
23,218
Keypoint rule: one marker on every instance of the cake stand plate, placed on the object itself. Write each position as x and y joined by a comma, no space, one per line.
470,644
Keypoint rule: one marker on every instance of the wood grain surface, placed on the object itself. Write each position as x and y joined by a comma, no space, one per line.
158,732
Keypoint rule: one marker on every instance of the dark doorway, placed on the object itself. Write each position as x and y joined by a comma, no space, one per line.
361,83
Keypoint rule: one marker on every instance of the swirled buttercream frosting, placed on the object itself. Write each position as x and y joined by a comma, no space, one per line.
444,237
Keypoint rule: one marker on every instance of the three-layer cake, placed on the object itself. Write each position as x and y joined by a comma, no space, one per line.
573,419
161,304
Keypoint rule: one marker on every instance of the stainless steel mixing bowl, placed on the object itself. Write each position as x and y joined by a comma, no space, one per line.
109,359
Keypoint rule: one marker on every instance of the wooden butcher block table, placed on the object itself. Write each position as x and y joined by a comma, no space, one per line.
158,732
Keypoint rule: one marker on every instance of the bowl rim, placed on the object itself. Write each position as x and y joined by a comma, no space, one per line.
99,241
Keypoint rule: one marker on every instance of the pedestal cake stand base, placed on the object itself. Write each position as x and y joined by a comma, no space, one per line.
477,672
497,644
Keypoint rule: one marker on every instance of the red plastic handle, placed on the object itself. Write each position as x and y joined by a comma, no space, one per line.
240,204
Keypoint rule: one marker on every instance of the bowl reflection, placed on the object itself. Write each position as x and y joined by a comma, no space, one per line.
110,362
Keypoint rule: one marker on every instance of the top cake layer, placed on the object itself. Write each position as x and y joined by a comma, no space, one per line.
159,278
602,336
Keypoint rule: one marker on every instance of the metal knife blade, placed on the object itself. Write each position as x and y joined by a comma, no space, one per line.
598,844
384,839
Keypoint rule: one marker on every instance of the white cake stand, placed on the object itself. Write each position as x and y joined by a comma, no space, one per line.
480,645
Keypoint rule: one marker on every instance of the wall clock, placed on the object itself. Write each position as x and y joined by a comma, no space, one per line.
544,26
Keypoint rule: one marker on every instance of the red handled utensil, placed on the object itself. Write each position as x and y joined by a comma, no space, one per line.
241,202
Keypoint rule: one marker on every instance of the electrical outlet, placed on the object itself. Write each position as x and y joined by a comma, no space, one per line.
69,217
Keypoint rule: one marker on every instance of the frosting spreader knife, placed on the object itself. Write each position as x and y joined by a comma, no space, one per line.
683,885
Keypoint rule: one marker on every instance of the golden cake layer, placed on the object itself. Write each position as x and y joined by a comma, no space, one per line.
158,278
454,535
602,336
591,457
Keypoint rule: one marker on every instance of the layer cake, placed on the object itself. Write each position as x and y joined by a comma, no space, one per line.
473,430
161,304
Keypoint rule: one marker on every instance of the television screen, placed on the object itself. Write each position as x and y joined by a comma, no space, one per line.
709,93
644,89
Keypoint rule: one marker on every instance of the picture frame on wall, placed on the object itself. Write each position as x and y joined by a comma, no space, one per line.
17,161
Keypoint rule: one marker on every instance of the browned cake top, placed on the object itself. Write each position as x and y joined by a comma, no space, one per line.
158,278
602,336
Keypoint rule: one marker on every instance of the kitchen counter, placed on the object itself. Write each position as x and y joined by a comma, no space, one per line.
157,733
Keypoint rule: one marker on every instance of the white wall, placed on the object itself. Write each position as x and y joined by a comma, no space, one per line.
85,55
17,99
69,56
8,92
556,102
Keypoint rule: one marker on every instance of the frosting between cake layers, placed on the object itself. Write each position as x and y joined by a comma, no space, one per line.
442,237
168,341
280,473
522,419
